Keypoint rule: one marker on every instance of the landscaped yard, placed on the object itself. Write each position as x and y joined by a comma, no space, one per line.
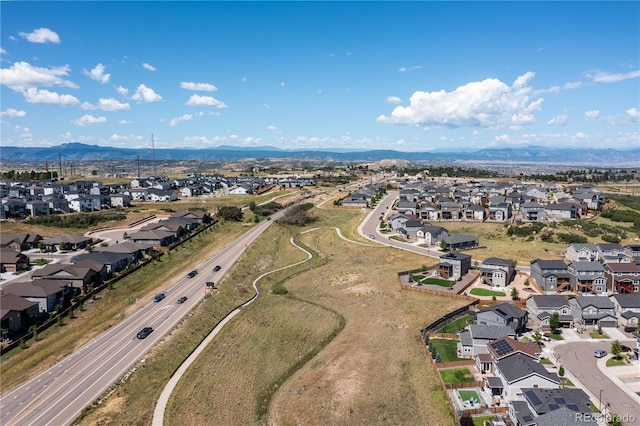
457,375
466,395
485,292
596,335
479,421
438,281
455,326
554,336
446,349
612,362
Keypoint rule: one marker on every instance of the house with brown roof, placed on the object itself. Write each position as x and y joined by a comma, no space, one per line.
623,277
16,315
83,275
48,294
13,261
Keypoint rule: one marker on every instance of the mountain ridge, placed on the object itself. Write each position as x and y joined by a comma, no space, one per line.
77,151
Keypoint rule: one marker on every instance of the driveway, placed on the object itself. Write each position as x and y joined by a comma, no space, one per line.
582,368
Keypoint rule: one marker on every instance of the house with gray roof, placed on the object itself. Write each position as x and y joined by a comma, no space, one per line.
551,275
562,211
407,207
474,340
533,212
453,265
612,253
587,277
72,242
497,272
552,407
154,237
627,308
541,307
519,372
593,310
504,314
429,212
460,242
500,211
474,212
581,252
431,235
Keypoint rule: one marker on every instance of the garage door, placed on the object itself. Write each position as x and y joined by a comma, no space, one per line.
611,323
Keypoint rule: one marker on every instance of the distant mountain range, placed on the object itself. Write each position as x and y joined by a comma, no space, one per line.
76,151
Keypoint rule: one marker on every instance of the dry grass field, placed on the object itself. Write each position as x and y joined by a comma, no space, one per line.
342,347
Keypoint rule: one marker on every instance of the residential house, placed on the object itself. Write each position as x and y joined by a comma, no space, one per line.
14,208
162,195
474,340
593,310
16,315
453,265
541,307
581,252
562,211
519,372
113,262
587,277
533,211
429,212
497,272
15,242
431,235
500,211
450,210
503,314
623,277
355,200
612,253
474,213
135,250
406,207
627,308
155,237
460,242
83,275
397,221
412,227
37,208
65,242
13,261
551,275
633,251
503,348
200,216
120,200
552,407
49,294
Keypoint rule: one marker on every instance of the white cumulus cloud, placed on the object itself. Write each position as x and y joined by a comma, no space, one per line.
611,77
148,67
394,100
146,94
488,103
87,120
35,96
184,117
273,129
13,113
2,51
42,35
22,75
198,87
97,74
108,105
633,113
123,91
558,120
197,100
592,115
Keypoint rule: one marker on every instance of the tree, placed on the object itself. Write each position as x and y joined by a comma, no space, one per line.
466,420
443,245
515,294
616,349
537,337
554,322
230,213
561,373
527,283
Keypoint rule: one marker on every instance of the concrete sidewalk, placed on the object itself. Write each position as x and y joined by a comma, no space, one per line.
631,371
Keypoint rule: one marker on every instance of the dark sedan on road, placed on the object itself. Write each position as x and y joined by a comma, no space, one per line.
144,333
159,297
217,268
192,274
182,299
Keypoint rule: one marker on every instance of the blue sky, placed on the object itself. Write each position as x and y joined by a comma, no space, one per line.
409,76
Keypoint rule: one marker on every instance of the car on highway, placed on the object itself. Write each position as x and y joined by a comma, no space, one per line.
268,217
373,237
217,268
192,273
182,299
144,333
211,284
599,353
159,297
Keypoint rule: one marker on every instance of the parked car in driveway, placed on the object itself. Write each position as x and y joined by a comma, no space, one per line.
182,299
159,297
599,353
146,331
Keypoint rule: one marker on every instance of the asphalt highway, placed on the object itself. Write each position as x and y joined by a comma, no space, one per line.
58,395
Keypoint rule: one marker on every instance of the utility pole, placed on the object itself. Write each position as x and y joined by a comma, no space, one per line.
60,163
